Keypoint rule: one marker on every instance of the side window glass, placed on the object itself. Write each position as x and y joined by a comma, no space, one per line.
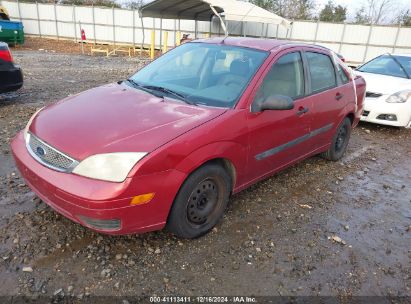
342,74
286,78
321,71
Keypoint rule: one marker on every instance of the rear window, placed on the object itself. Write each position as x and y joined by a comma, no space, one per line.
342,75
321,71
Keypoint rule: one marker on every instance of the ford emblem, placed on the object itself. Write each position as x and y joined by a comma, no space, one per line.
40,151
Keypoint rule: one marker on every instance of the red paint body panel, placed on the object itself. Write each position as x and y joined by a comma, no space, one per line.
142,122
75,196
253,43
179,138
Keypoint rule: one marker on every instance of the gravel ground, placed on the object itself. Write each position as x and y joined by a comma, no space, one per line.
317,228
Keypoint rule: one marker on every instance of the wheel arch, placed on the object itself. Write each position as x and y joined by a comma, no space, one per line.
351,112
227,165
230,156
351,117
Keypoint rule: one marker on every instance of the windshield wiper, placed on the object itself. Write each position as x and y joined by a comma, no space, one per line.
151,88
170,92
401,66
143,88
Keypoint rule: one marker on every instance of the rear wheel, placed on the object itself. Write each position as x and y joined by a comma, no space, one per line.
339,142
200,203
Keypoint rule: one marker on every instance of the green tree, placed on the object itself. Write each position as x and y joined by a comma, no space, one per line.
361,17
327,13
378,12
291,9
134,4
106,3
38,1
405,18
340,13
265,4
333,13
304,9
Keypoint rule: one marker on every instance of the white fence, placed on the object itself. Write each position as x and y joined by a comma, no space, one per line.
357,43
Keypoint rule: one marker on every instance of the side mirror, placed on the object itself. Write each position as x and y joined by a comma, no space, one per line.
274,102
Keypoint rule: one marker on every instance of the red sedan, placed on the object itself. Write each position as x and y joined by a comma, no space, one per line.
168,146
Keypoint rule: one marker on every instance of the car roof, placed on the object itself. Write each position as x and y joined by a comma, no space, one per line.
254,43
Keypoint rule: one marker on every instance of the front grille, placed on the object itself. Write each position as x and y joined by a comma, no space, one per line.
49,156
366,113
372,95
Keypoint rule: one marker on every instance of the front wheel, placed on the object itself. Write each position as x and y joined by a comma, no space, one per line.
200,203
339,142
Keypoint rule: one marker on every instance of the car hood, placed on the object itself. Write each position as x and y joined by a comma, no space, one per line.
383,84
116,118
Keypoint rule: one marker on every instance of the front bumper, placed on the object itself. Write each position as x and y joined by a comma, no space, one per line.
11,77
79,198
374,108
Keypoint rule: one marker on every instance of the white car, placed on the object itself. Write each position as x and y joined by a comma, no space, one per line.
388,97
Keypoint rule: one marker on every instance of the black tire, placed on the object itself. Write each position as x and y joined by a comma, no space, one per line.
339,142
201,202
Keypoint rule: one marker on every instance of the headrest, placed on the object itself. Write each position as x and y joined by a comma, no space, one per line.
240,67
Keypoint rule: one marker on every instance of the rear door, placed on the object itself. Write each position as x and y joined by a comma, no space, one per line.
277,138
327,93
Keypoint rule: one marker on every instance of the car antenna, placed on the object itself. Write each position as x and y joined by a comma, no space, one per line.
223,24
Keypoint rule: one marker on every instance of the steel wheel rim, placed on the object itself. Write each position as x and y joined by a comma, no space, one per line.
341,139
204,202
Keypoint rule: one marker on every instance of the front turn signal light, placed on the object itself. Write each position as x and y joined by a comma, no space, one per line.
142,199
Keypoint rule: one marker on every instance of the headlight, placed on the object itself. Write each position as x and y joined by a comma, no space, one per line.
112,167
26,129
399,97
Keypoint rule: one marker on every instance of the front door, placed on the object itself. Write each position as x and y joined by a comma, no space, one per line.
277,138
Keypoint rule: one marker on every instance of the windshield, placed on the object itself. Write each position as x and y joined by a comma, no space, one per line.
204,74
391,65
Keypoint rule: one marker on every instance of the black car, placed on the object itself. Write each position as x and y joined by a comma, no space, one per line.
11,76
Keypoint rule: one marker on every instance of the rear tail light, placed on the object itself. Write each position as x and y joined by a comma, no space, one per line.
6,55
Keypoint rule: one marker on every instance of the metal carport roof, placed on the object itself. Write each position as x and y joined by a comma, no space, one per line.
204,10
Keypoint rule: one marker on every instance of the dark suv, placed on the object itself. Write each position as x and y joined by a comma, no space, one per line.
11,76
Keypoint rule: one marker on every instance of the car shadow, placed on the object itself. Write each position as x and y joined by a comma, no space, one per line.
377,127
6,98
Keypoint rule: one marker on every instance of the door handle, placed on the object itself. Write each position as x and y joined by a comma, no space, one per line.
302,111
338,96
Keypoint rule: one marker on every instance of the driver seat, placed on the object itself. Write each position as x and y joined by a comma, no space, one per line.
239,71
